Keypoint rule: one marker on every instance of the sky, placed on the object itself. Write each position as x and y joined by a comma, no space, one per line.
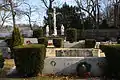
39,15
42,12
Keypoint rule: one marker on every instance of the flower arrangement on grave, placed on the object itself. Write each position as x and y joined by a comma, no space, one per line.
28,42
50,44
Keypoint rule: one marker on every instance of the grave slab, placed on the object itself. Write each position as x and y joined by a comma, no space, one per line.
67,65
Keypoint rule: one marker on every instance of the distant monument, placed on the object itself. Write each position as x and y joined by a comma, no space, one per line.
62,29
47,31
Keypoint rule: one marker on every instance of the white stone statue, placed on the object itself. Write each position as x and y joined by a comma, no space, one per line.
62,30
47,31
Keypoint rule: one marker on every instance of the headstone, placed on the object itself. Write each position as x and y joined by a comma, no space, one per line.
62,30
4,49
27,33
30,41
97,45
67,65
74,53
3,43
50,43
5,34
47,31
12,71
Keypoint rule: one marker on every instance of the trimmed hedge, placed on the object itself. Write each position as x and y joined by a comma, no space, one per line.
90,43
118,41
71,35
79,35
43,40
29,59
38,33
111,50
1,60
58,42
112,53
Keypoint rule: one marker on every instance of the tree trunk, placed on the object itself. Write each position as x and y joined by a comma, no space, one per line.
116,15
98,15
13,14
30,22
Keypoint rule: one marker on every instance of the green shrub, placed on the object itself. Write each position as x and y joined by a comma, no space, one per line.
1,60
118,41
43,40
2,38
29,59
79,34
58,42
112,53
17,38
71,35
9,42
90,43
38,33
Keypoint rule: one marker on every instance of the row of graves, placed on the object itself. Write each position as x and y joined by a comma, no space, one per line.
67,60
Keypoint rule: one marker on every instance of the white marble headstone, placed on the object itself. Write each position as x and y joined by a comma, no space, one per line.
32,40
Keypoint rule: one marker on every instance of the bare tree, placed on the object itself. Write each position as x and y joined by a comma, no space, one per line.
4,16
27,12
48,3
11,5
91,7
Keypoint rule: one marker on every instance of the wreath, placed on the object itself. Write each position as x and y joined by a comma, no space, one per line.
53,63
28,42
83,68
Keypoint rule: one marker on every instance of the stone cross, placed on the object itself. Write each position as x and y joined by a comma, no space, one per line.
54,17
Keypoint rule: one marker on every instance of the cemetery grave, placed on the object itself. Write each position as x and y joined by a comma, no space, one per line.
80,40
66,60
67,57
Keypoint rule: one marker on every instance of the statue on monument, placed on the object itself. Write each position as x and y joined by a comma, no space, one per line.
62,29
47,31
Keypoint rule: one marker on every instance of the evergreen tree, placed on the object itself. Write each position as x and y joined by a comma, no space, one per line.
17,39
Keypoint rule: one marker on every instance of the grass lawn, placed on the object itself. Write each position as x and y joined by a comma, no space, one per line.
9,63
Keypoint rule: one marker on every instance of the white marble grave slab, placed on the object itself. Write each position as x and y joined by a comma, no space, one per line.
72,52
67,65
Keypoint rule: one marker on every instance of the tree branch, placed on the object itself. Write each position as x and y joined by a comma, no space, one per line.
78,3
45,3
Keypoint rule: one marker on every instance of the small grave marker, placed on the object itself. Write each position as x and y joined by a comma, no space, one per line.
30,41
